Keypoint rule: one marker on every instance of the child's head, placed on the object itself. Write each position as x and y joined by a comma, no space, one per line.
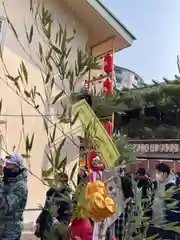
162,171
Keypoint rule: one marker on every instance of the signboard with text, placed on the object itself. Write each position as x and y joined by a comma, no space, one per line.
156,147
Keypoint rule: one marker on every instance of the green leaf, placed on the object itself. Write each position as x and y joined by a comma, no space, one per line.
46,125
24,70
59,95
75,119
27,143
47,173
57,50
22,116
28,95
53,134
47,77
13,29
49,157
31,34
11,78
31,142
62,164
73,171
40,52
58,152
0,106
37,93
25,155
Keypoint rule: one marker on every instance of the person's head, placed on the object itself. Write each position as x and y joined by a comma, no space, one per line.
141,171
127,187
13,165
162,171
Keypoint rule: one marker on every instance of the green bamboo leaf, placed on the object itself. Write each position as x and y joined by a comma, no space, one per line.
24,71
57,50
68,52
73,171
1,105
75,119
49,66
74,30
11,78
62,164
28,95
31,34
13,29
47,173
31,5
27,143
64,38
57,37
52,83
37,93
25,155
48,32
58,96
46,126
47,78
49,55
31,142
17,86
50,159
22,116
58,152
40,52
54,133
70,39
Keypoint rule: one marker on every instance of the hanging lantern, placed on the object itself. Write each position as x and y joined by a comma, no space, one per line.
108,127
108,64
95,162
107,86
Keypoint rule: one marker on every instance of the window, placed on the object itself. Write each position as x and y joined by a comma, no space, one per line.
136,78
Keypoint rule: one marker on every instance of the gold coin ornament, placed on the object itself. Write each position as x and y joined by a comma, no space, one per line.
99,205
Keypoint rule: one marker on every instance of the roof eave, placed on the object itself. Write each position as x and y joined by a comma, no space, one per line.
112,20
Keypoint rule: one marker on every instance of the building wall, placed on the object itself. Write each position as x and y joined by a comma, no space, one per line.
12,104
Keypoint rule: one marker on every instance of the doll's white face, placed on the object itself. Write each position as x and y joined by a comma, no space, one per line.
114,187
96,162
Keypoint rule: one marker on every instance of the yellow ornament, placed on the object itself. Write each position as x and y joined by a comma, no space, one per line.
97,186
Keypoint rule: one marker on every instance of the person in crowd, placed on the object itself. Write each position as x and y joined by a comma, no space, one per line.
13,197
159,211
81,229
59,198
117,230
143,182
178,179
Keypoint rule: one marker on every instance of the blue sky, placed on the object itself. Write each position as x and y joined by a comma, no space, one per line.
156,25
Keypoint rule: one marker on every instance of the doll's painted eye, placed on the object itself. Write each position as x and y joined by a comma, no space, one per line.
110,188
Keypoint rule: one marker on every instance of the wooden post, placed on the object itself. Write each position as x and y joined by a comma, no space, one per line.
112,79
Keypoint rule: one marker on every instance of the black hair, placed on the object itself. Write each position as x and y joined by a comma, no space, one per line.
164,168
127,187
128,175
141,171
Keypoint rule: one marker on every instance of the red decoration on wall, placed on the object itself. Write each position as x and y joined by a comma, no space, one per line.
94,162
108,127
107,86
108,64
